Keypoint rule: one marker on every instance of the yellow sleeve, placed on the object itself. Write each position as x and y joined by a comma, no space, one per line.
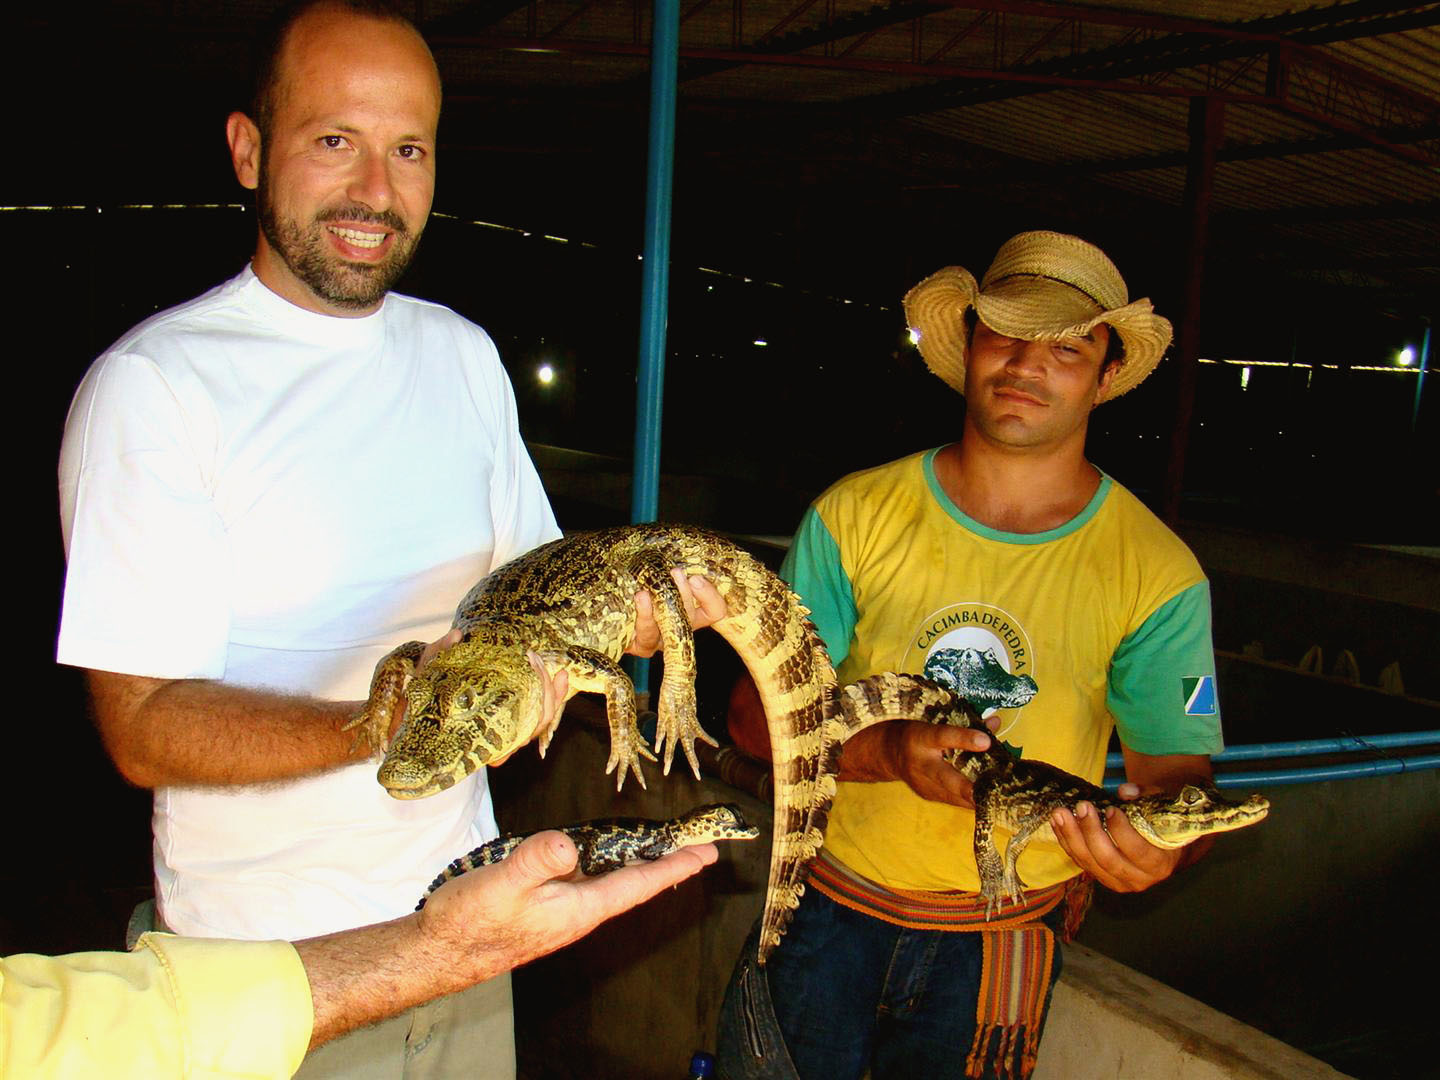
175,1007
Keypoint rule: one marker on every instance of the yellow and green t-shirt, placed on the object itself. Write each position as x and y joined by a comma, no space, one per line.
1109,615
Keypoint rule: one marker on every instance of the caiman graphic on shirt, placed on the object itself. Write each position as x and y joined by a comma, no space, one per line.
982,653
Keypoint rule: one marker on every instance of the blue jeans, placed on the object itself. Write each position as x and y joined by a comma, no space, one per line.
844,992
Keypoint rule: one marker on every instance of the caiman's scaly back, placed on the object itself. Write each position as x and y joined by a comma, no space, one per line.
607,844
571,602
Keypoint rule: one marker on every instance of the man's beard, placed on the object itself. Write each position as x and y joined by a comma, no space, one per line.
334,280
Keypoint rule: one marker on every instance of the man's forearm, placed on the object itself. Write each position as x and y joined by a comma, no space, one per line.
198,732
475,927
362,976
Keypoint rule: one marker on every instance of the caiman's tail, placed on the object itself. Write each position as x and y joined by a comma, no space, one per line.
769,628
891,694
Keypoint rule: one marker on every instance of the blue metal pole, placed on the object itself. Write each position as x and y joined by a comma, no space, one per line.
1316,773
1349,744
655,280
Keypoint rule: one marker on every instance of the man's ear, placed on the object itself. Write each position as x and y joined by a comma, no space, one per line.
1107,376
244,139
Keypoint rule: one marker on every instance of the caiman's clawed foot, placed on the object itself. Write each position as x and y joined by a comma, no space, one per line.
678,724
998,884
372,730
387,690
627,747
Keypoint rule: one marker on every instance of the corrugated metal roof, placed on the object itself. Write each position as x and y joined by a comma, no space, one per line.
1075,114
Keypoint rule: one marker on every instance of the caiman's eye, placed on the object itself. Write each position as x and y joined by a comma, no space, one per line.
463,700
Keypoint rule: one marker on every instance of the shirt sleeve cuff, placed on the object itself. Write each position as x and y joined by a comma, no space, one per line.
245,1006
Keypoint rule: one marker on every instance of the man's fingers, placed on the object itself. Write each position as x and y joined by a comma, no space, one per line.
647,631
687,594
1110,849
1070,829
554,691
623,889
543,857
703,603
950,737
435,647
704,606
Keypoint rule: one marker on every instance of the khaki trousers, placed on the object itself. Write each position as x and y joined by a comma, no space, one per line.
469,1035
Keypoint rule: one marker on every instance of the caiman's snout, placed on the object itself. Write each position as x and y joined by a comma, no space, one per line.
407,780
1254,808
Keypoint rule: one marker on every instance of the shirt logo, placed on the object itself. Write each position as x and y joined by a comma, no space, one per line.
981,652
1199,692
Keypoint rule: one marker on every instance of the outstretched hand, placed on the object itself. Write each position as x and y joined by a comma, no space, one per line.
499,917
914,752
475,927
704,606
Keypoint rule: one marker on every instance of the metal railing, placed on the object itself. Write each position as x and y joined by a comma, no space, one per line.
1381,763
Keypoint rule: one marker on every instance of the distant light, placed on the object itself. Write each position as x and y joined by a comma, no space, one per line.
1406,356
1245,378
546,374
761,342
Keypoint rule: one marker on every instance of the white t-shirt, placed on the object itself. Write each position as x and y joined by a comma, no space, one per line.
262,495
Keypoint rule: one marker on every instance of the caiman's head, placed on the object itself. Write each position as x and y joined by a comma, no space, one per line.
717,821
1172,821
461,713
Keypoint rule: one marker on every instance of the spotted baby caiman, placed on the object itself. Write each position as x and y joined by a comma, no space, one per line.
606,844
1019,795
572,602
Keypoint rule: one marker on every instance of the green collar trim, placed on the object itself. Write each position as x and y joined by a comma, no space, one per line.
1074,524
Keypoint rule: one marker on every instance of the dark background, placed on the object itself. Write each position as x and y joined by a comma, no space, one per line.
807,200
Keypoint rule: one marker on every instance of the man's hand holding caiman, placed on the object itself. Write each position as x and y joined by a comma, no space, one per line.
703,605
913,751
1111,851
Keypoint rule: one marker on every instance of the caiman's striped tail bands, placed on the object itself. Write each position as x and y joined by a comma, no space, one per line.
769,629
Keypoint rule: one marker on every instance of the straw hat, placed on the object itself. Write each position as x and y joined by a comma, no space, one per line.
1042,286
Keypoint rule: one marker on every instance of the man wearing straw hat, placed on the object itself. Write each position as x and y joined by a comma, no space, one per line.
1009,567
